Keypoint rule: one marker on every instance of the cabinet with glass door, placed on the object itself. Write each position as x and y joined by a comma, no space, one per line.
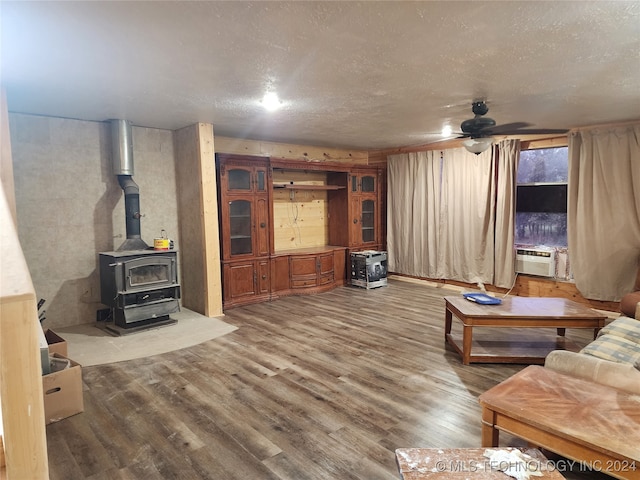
244,227
244,206
364,223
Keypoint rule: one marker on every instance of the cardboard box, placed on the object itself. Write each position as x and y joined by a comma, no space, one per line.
56,343
62,391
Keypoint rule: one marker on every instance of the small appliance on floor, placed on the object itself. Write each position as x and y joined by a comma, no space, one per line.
369,269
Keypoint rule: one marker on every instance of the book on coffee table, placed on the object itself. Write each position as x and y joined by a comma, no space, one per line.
482,298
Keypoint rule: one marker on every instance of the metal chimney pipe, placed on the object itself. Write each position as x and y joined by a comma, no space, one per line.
131,206
121,147
122,163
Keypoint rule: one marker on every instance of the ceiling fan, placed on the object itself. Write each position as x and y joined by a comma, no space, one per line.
479,130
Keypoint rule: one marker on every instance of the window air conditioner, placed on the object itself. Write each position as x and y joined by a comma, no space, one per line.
536,261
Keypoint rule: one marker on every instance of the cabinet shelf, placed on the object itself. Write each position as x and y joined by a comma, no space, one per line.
293,186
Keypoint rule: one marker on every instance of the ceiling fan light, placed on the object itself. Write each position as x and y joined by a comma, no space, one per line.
477,145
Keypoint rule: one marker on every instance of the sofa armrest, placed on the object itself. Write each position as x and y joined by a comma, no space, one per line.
630,304
617,375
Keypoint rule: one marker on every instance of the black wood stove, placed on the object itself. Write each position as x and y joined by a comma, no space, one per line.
140,287
137,283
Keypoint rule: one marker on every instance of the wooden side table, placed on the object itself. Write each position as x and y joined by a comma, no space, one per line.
578,419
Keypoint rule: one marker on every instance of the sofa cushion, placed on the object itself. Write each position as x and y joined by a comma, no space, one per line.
613,374
614,348
624,327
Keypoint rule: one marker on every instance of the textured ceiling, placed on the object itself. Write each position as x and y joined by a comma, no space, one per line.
350,74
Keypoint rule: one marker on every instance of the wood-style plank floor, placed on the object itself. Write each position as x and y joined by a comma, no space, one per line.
311,387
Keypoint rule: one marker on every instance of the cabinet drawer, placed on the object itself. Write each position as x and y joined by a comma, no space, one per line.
301,282
325,279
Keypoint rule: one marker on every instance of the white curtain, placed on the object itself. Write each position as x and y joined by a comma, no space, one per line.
466,230
603,216
507,157
412,213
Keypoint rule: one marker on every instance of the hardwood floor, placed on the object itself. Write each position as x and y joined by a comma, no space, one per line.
314,387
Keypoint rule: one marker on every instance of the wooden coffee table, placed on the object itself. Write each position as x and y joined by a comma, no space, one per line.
578,419
522,312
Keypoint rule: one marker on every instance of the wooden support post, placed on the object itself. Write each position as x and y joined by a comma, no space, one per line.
198,215
21,396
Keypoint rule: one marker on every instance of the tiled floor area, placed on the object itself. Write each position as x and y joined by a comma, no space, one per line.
91,345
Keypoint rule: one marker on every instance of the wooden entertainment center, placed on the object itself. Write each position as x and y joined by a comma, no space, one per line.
288,227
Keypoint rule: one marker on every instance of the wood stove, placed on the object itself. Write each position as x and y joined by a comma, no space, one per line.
138,284
140,287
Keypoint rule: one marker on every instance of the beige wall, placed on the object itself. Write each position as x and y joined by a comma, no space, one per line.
70,206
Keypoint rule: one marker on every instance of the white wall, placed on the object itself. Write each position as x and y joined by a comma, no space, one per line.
70,206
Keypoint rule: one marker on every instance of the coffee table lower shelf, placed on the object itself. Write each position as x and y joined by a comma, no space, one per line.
516,314
515,346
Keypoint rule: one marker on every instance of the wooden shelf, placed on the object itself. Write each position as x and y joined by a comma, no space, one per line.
293,186
308,250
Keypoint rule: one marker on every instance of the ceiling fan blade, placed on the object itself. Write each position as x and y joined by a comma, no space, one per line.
480,126
507,127
533,131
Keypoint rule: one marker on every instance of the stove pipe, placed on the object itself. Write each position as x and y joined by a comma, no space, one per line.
122,162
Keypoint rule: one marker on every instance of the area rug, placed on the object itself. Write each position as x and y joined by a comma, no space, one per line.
90,345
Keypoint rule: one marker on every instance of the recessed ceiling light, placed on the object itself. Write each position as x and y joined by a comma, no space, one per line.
271,102
446,131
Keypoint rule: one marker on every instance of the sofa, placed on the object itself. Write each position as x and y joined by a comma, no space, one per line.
613,358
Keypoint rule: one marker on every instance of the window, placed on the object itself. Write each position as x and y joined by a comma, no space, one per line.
541,197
